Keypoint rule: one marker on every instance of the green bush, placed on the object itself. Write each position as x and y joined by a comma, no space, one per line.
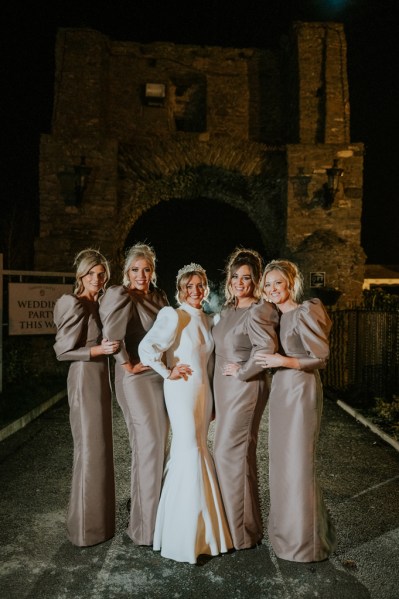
378,299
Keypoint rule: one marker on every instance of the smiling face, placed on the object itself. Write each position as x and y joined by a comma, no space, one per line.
241,283
94,281
276,287
195,291
139,274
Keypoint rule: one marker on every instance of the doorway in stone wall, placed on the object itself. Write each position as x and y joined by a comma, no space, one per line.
198,230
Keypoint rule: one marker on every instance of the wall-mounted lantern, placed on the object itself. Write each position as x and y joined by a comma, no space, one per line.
300,182
73,182
323,196
334,173
154,94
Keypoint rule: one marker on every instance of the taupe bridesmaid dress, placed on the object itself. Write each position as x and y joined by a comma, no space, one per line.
91,511
300,528
239,405
126,317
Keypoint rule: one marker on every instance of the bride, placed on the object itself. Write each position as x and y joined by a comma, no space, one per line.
190,519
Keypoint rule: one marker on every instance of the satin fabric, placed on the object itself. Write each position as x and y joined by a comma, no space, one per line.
299,526
91,510
190,519
239,404
126,317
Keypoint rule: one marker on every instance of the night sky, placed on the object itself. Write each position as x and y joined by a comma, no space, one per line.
372,31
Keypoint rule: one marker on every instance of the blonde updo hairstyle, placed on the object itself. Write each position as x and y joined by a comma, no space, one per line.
243,257
290,273
84,261
183,277
136,252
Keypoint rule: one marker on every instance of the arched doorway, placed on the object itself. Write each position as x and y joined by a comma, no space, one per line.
201,230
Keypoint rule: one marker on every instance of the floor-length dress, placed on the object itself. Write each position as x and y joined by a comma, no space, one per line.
126,317
239,405
190,519
91,511
300,528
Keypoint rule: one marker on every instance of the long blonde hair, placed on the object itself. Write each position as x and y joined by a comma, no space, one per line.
84,261
135,252
243,257
290,272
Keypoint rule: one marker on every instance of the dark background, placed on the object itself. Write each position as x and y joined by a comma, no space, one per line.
28,39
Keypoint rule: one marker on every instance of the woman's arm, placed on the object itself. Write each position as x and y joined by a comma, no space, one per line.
70,320
106,348
262,332
70,342
158,340
277,361
115,313
313,325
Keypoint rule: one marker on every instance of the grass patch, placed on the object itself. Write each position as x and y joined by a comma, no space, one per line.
21,396
383,412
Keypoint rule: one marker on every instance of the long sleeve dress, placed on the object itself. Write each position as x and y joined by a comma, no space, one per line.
239,405
126,317
299,524
91,511
190,519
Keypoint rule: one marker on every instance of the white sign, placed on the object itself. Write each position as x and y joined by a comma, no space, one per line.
30,307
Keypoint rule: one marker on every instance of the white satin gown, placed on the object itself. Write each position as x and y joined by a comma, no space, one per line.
190,519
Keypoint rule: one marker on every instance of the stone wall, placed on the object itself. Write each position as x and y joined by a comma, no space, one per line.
323,236
248,127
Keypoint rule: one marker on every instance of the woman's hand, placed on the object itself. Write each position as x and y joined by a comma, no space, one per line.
136,368
269,360
180,371
231,369
276,361
107,348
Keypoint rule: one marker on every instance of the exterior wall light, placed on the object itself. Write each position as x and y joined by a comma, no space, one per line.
325,195
154,94
300,184
73,182
334,174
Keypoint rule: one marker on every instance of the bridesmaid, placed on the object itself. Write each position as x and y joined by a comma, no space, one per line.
247,325
91,511
300,529
128,312
190,519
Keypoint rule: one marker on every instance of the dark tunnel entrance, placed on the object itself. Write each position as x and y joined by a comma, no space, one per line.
201,230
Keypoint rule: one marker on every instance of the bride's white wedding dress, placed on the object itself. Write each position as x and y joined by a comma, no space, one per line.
190,519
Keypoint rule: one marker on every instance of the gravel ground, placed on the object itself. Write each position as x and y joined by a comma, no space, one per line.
359,473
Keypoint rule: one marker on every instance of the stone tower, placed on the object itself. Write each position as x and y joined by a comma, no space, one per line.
266,131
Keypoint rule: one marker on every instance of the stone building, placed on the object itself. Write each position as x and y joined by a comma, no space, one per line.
262,131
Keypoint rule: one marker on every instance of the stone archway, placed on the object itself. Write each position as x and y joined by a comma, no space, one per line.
202,230
240,182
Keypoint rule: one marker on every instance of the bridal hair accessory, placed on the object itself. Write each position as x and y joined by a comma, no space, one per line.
192,267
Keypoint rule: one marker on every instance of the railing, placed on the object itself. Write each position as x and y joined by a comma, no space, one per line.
364,352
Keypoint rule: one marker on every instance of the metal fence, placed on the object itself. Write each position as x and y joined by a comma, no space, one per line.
364,353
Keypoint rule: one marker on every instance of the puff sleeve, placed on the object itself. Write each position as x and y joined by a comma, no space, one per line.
261,328
158,340
314,327
71,322
115,313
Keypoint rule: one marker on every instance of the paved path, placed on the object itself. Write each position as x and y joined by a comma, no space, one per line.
359,473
